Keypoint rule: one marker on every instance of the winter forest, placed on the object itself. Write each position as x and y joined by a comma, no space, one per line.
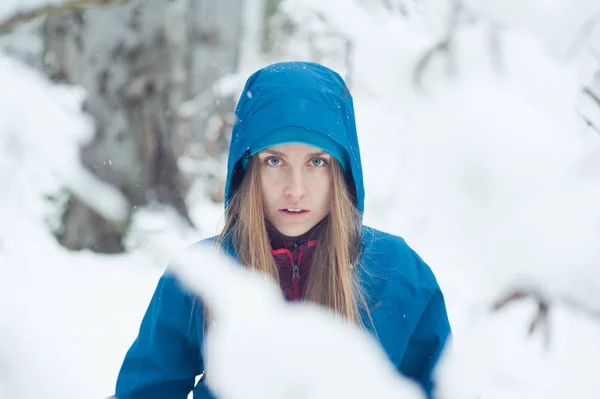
479,126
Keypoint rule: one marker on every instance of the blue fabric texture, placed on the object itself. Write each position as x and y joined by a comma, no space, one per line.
406,305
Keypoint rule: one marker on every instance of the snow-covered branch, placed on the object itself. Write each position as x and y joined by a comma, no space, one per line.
443,45
544,304
44,122
21,13
269,324
592,97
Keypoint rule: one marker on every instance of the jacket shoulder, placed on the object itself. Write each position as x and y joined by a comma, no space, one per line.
169,282
226,247
390,257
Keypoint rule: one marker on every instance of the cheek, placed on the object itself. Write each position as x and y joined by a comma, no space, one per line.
264,188
270,182
322,188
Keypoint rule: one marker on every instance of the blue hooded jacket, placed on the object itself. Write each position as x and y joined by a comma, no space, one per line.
406,304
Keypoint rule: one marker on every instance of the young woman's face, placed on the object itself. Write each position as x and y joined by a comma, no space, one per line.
296,186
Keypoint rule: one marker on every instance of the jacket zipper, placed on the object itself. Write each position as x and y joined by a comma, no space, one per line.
296,273
296,281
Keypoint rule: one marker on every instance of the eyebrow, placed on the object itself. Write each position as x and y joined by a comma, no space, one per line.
282,155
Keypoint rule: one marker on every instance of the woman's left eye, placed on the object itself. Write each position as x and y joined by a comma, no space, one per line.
318,162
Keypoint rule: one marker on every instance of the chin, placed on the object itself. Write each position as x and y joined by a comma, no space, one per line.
293,232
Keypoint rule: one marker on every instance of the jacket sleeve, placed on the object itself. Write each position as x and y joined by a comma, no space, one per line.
426,343
165,358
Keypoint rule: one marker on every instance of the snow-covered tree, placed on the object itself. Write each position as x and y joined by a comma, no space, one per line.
139,63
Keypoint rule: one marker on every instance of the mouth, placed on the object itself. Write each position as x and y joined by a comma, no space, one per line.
293,211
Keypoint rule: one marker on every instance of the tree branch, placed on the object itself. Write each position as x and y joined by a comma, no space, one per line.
544,303
587,91
583,35
543,306
590,124
50,10
442,46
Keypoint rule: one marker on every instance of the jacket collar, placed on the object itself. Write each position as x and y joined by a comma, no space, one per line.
279,240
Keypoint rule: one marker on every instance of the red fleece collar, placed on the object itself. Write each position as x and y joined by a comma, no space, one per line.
279,240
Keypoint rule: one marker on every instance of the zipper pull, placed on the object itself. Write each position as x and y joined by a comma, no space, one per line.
295,273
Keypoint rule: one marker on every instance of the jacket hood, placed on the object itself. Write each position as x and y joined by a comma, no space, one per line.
295,95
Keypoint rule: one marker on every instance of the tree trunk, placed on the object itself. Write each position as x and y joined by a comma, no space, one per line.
122,56
139,63
214,44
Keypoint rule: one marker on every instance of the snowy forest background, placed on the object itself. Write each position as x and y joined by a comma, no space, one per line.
479,125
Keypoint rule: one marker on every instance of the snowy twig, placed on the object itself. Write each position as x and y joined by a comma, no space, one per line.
588,92
592,95
590,124
544,304
49,10
584,35
442,46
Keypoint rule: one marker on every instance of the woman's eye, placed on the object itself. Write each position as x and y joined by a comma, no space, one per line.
318,162
272,161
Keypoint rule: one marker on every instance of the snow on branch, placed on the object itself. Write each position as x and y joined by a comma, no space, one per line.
443,46
45,8
46,123
594,100
270,324
544,303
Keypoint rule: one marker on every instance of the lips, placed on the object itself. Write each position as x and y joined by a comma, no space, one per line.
293,211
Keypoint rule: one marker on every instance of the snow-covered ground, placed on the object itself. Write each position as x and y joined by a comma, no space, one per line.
489,179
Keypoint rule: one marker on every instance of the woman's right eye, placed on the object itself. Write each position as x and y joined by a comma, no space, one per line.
273,161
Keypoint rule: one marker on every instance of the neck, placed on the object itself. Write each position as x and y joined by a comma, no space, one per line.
280,240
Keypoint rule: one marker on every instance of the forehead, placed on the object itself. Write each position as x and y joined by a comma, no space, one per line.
293,149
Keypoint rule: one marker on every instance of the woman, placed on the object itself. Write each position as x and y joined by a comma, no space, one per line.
294,204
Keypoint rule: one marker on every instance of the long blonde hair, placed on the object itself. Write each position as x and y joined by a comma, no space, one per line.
332,281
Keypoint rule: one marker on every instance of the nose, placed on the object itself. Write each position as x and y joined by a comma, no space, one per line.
296,187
